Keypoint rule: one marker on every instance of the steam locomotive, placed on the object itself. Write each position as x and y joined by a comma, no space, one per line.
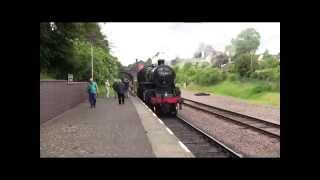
156,87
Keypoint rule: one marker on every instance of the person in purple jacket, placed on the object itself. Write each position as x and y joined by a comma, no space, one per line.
121,90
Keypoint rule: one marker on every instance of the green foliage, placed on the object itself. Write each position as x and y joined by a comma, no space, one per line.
176,68
253,91
233,77
56,48
46,76
186,66
245,77
209,76
204,64
199,74
245,64
247,41
270,74
102,91
242,52
66,48
269,62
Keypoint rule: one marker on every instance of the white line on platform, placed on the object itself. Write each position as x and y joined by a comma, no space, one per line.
154,114
169,131
183,146
160,121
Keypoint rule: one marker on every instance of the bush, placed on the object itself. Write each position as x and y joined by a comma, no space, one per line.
204,64
271,74
209,76
269,62
233,77
230,68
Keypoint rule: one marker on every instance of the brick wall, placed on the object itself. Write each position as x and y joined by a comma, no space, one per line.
57,96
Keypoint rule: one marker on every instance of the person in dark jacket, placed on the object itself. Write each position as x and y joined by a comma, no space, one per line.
121,90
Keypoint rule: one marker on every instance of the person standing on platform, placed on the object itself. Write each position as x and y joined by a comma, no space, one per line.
121,90
92,91
107,85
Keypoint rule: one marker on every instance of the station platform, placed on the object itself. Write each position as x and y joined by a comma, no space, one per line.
109,130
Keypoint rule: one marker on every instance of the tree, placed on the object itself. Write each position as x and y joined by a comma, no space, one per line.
56,47
247,41
243,49
219,59
266,54
243,64
269,61
66,48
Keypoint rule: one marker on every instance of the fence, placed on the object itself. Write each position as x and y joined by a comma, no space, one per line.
57,96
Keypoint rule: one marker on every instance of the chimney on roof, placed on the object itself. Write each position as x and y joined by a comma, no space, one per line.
160,61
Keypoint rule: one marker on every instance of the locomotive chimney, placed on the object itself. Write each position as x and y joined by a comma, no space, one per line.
160,61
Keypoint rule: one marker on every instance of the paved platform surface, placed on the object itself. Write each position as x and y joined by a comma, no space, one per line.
109,130
259,111
163,141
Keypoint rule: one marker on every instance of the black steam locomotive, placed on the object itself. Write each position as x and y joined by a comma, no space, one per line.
156,87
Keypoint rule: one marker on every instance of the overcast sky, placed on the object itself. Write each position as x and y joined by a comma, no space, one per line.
130,41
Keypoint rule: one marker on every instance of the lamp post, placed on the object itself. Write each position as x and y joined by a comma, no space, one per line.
252,54
92,39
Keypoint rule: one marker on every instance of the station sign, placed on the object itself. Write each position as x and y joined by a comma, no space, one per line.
70,77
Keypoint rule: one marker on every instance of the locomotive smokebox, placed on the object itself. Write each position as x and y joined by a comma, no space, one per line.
160,61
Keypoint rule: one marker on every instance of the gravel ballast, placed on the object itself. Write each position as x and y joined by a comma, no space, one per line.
267,113
243,140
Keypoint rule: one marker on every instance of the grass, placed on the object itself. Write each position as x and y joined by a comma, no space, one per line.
255,92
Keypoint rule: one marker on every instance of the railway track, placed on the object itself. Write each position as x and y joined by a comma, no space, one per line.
198,142
259,125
